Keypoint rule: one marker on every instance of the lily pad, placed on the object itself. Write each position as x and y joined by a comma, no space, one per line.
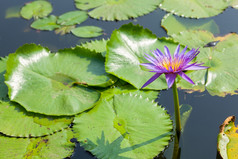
234,4
98,46
220,79
72,18
182,24
228,139
16,121
55,146
195,8
54,84
117,9
36,9
3,87
47,23
126,50
87,31
125,127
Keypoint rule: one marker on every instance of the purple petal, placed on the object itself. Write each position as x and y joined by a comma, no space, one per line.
184,76
151,79
150,59
166,52
176,53
170,78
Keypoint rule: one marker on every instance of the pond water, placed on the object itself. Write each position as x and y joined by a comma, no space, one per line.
200,134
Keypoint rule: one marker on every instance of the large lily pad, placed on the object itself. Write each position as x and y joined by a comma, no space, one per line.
228,139
117,9
126,50
182,24
195,8
72,18
36,9
221,78
126,126
87,31
56,146
54,84
15,121
47,23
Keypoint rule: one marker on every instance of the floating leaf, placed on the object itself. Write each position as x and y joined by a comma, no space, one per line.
124,127
64,29
234,4
13,12
96,45
220,79
56,146
117,9
47,23
195,8
126,50
3,87
228,139
87,31
54,84
15,121
182,24
36,9
72,18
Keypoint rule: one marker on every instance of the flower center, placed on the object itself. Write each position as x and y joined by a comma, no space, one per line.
173,63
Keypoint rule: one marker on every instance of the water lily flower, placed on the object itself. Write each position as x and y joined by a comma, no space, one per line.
172,66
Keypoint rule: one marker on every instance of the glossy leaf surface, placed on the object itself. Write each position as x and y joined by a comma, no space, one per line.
220,78
54,84
195,8
87,31
127,126
36,9
117,9
126,50
56,146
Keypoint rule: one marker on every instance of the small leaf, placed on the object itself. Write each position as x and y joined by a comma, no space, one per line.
182,24
195,8
64,29
87,31
47,23
72,18
228,139
98,46
13,12
36,9
55,83
126,126
56,146
16,121
117,9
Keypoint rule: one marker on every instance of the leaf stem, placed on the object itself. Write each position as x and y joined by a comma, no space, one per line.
176,109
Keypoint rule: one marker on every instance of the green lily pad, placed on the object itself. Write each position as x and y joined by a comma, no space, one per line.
54,84
126,50
117,9
16,121
98,46
47,23
220,79
126,126
13,12
36,9
87,31
234,4
64,29
195,8
56,146
3,87
228,139
182,24
72,18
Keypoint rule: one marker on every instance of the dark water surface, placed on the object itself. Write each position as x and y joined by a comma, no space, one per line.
200,135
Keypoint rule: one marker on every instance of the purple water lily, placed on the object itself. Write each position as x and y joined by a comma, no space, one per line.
164,63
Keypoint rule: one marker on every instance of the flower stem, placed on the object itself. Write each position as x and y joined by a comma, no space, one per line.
176,109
